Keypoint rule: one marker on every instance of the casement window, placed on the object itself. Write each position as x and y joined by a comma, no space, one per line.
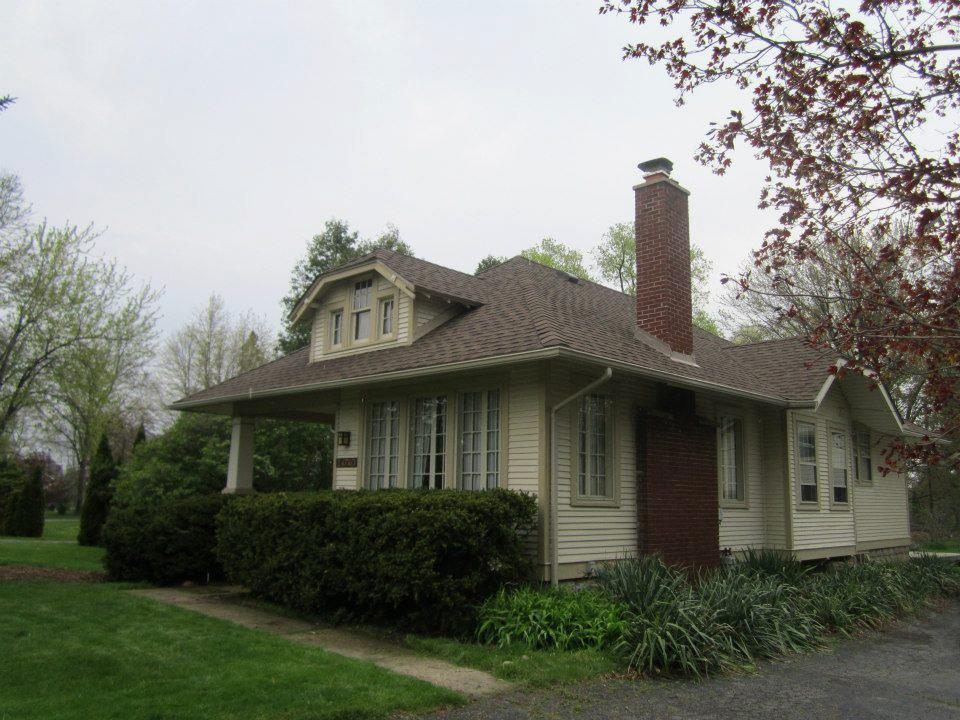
862,456
730,459
807,461
429,466
838,465
383,448
480,440
361,309
595,448
386,317
336,327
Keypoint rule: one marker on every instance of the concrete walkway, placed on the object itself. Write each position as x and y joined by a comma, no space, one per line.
222,602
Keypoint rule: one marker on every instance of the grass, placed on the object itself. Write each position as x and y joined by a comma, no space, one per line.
56,549
516,663
950,546
80,651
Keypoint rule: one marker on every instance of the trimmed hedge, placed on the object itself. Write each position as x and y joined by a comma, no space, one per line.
21,500
164,543
417,560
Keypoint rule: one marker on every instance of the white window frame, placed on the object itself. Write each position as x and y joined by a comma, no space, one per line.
358,310
739,464
434,480
336,329
800,463
862,441
376,478
489,445
583,451
834,431
383,316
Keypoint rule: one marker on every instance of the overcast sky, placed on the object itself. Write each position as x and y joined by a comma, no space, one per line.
211,140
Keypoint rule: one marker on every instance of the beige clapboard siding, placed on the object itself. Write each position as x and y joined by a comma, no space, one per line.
318,335
822,527
773,432
882,511
525,399
348,419
403,318
744,527
597,533
426,310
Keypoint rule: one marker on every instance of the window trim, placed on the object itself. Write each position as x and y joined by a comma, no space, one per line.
858,430
742,503
503,429
837,429
798,421
331,317
611,500
381,301
344,306
367,416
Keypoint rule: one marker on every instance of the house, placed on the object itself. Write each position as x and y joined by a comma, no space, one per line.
635,430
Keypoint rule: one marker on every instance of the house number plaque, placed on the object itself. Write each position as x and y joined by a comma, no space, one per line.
346,462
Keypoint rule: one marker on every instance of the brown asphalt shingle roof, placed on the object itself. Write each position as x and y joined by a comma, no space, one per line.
525,306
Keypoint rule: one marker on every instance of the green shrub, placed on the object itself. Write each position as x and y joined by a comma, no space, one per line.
551,619
24,510
11,480
164,543
774,563
413,559
96,505
640,582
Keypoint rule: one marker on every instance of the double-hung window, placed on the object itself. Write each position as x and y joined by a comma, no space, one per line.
480,440
383,448
386,317
429,442
336,327
862,458
730,457
807,461
594,464
361,309
838,465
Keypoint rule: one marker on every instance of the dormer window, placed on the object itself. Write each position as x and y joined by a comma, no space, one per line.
361,309
386,317
336,327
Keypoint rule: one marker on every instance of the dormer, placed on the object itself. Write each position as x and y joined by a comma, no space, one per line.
366,305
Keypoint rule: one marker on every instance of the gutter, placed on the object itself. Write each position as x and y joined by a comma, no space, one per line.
554,492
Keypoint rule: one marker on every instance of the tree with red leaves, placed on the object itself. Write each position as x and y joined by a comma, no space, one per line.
855,110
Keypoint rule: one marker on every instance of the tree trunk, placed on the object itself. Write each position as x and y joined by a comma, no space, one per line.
82,470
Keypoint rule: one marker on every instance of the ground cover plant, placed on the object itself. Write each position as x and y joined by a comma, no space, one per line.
96,651
652,618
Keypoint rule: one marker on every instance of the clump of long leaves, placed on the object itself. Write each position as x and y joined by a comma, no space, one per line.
554,619
775,563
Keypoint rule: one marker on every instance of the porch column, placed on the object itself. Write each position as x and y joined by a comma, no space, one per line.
240,467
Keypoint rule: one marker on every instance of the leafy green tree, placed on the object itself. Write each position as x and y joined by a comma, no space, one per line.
490,261
555,254
6,101
96,504
333,247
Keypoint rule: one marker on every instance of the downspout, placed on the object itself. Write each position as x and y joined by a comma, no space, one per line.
554,492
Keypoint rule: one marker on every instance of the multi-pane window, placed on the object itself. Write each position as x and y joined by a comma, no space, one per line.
838,465
361,309
593,448
429,442
336,327
480,440
862,459
384,445
807,461
730,446
386,316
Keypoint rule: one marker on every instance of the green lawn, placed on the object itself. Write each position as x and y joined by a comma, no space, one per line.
57,548
952,546
83,651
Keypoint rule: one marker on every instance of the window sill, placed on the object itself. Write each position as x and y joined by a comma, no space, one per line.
734,505
808,506
594,502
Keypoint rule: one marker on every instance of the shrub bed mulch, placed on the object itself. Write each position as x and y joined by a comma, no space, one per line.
32,573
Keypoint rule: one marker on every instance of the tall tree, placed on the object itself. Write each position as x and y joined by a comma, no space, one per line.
490,261
557,255
330,249
96,504
6,101
854,109
214,347
616,260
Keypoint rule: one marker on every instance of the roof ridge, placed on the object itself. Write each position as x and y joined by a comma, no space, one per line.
548,333
428,262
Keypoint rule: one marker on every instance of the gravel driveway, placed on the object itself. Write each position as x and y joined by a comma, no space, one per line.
910,671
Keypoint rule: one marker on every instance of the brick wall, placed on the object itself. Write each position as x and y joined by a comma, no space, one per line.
677,490
664,304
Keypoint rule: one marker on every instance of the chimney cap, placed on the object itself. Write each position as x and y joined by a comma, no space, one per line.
657,165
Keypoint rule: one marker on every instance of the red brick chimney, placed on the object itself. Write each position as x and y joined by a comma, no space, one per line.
664,304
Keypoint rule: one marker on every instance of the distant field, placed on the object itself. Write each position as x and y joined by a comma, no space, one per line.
952,546
57,548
